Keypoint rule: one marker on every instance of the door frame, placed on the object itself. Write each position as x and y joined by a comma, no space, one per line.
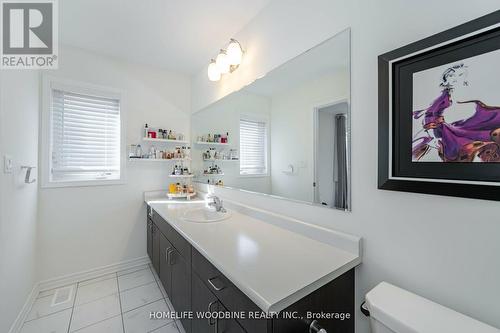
316,109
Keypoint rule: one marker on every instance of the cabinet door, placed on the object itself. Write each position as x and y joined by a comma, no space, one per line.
155,247
165,272
203,301
149,238
228,325
180,295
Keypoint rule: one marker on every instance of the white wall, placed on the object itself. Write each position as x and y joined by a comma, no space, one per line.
445,249
292,134
18,201
87,227
224,116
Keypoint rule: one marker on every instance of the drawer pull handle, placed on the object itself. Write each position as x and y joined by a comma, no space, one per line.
316,328
210,323
210,281
166,254
170,259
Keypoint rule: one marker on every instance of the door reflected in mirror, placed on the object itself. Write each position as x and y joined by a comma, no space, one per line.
286,134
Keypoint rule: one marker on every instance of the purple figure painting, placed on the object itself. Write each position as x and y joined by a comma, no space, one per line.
455,130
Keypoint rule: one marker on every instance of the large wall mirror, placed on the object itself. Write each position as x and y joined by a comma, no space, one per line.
286,134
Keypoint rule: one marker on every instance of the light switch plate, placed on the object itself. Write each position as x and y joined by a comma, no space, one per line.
7,164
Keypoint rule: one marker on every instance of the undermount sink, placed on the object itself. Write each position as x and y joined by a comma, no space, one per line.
201,215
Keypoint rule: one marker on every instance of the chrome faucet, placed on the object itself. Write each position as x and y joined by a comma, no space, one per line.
215,201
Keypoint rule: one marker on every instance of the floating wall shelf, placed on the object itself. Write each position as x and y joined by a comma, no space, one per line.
159,159
165,140
180,195
219,160
212,143
181,176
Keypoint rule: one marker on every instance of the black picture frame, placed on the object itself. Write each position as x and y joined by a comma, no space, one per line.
395,170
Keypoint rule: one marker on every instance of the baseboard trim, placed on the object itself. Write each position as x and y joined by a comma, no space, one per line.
92,273
21,317
70,279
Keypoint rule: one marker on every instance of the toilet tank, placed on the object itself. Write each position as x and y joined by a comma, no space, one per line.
395,310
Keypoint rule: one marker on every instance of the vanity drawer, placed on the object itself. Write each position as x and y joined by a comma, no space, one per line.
180,244
228,294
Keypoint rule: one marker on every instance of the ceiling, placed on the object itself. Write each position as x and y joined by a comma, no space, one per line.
179,35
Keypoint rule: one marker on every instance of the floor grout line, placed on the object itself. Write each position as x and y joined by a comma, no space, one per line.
73,307
120,300
156,329
159,286
141,285
159,299
156,279
47,315
97,299
97,322
99,277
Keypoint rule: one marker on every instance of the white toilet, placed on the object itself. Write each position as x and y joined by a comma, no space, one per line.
395,310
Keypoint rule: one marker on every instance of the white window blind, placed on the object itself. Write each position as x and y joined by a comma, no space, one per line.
85,137
253,141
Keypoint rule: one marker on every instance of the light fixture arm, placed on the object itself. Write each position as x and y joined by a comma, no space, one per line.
227,61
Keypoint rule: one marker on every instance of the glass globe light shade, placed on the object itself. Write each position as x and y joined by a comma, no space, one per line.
222,62
234,52
213,72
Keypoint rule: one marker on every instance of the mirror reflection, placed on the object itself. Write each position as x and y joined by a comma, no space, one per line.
286,134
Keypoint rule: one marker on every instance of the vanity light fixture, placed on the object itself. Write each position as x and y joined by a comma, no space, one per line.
227,61
234,52
213,72
222,62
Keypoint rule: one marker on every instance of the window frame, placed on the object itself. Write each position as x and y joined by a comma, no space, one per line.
48,83
265,120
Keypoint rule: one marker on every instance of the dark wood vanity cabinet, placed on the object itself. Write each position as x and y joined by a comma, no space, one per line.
173,255
153,244
194,285
180,295
149,238
165,272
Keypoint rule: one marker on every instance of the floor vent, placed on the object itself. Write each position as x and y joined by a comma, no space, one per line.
62,295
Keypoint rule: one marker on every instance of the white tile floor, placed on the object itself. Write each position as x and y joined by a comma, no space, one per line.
114,303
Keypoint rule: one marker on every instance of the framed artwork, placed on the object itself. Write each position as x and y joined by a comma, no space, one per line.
439,113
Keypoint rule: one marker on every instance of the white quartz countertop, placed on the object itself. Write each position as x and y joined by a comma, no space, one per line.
271,264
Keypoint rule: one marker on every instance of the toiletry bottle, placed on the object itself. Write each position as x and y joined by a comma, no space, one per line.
132,150
146,130
138,151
